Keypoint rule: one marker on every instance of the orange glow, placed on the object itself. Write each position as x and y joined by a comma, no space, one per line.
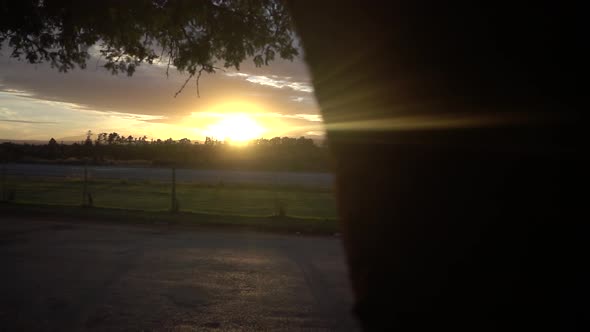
238,122
235,128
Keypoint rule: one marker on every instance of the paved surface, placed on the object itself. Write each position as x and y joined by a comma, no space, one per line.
59,276
317,180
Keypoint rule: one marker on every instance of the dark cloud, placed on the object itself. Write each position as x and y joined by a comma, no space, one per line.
26,121
150,92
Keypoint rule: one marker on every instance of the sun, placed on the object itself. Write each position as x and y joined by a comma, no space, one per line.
235,128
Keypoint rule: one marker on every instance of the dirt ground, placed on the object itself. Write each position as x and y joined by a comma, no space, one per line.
68,276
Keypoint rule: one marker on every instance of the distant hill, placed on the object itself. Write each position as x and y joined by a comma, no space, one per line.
37,142
22,141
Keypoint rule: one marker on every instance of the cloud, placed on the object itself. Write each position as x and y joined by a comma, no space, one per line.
274,81
24,116
149,91
297,99
27,121
72,106
144,104
16,92
307,117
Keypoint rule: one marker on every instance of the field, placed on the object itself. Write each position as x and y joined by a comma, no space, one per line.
220,199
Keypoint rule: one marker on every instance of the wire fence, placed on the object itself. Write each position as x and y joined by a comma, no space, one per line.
168,189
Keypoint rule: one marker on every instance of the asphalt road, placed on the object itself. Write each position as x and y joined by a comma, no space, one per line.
64,276
316,180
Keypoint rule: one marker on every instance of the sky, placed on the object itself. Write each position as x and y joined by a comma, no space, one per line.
37,102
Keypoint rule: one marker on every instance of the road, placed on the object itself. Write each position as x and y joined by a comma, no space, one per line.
71,276
318,180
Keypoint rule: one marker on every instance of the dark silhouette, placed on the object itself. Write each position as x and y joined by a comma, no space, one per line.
455,127
190,35
279,153
460,174
90,201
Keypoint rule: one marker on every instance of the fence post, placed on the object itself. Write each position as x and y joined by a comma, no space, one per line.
3,190
174,206
85,186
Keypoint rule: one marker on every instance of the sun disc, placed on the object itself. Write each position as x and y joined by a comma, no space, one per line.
235,128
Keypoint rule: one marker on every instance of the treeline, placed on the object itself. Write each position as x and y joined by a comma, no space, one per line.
279,153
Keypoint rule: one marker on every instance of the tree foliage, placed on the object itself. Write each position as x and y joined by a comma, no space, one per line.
193,36
276,154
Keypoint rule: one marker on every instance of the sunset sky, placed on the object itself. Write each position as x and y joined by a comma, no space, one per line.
37,102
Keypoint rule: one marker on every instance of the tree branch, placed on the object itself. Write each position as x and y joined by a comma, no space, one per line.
198,77
184,84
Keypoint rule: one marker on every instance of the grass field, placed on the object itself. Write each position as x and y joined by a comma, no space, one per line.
232,200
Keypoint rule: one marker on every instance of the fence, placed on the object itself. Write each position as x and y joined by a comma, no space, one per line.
158,189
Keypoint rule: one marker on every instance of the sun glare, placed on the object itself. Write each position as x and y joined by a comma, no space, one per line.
235,128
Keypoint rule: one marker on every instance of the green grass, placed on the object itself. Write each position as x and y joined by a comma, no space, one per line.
79,214
237,200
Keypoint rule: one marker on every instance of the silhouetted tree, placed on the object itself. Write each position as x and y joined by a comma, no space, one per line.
52,150
88,140
101,139
214,154
113,138
192,36
184,141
